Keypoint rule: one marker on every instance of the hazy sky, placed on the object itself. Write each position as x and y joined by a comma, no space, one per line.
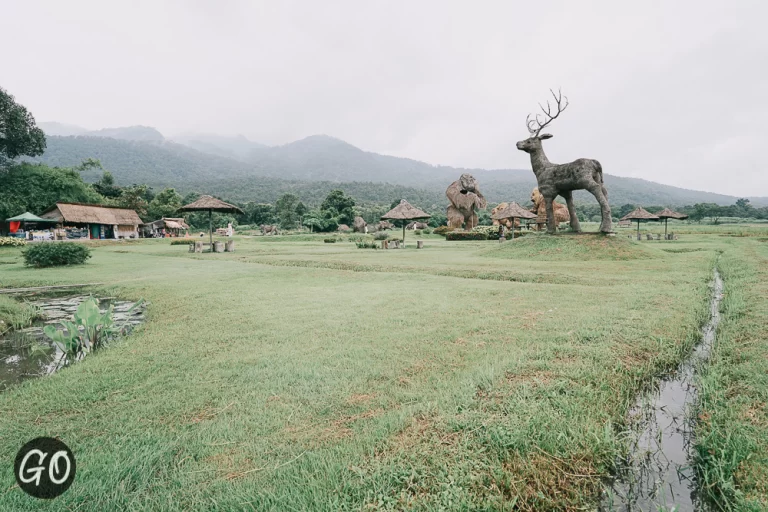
672,91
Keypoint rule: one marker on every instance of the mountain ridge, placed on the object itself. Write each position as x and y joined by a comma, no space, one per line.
317,158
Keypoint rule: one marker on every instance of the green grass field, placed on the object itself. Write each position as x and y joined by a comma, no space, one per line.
297,375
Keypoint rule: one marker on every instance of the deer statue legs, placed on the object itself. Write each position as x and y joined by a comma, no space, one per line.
601,194
575,226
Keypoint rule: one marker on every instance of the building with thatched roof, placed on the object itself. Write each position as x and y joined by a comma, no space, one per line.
168,226
101,221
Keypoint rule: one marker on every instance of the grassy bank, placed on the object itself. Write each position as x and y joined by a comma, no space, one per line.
732,438
298,375
15,314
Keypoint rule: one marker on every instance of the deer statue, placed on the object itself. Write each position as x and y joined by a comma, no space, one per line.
562,179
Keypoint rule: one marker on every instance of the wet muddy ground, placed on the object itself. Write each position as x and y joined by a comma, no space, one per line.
19,362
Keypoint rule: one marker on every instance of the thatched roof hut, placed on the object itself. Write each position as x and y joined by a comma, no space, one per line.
513,211
210,204
405,211
667,214
639,214
123,221
81,213
171,223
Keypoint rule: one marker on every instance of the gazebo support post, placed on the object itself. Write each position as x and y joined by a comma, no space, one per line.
210,228
403,233
665,227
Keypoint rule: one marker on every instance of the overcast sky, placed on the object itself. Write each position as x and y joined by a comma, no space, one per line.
670,91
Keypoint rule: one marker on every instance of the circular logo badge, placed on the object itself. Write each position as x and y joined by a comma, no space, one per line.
44,467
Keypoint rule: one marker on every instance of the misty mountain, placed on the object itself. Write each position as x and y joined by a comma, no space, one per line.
61,129
145,133
155,163
237,147
320,159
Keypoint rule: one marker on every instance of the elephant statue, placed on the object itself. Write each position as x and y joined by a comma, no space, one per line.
269,229
358,225
466,199
416,225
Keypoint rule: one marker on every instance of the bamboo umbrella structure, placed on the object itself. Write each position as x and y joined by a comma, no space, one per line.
667,214
513,211
210,204
405,211
638,215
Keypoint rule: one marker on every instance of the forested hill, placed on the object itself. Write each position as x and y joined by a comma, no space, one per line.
316,159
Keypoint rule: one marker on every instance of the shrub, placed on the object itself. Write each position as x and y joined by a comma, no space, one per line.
492,232
442,230
417,232
381,235
185,241
466,235
54,254
10,241
329,240
426,231
367,245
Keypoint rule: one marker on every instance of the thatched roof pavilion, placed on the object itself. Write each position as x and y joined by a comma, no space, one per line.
210,204
667,214
639,214
405,211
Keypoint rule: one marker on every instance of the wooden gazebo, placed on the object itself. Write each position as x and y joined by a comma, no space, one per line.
513,211
639,214
405,211
210,204
667,214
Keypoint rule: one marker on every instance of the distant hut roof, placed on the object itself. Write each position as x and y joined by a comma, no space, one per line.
82,213
405,211
666,213
513,210
210,203
640,214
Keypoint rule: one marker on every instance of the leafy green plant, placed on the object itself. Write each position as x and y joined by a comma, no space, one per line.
54,254
9,241
184,241
89,330
466,235
442,230
381,235
367,245
426,231
329,240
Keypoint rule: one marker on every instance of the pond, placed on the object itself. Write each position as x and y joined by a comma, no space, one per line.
18,360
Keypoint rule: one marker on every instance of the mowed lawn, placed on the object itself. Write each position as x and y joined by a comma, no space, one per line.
298,375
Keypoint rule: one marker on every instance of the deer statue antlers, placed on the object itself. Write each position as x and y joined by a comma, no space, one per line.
535,125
